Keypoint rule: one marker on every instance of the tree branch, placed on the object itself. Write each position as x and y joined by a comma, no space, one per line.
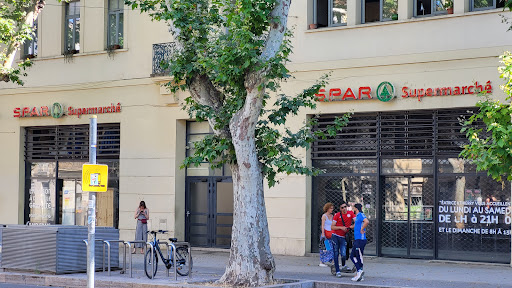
255,79
279,20
204,93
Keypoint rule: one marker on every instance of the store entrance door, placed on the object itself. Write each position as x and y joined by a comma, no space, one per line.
209,213
407,217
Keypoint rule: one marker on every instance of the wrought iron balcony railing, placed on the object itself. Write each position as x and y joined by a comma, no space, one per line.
161,54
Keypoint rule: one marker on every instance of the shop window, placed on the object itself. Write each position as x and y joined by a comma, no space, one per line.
72,28
429,7
331,13
379,10
30,45
54,157
474,217
477,5
115,24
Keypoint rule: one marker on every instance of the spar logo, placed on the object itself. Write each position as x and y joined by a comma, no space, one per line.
385,92
57,110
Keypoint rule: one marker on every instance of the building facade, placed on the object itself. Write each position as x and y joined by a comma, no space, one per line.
408,70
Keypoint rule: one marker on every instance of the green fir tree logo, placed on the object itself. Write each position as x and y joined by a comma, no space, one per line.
385,91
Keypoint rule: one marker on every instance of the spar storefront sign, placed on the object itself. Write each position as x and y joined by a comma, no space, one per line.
385,92
58,110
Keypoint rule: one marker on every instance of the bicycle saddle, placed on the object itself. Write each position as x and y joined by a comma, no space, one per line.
173,239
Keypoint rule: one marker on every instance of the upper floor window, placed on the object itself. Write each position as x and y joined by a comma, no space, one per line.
72,27
379,10
331,13
429,7
115,23
486,4
30,46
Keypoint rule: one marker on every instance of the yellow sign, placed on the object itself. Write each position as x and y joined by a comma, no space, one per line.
94,178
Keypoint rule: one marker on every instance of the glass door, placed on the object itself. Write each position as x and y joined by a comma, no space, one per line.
209,214
407,217
223,215
198,212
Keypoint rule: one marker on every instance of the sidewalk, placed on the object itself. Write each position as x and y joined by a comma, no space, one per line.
379,272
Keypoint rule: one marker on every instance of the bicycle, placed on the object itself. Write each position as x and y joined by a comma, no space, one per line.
181,257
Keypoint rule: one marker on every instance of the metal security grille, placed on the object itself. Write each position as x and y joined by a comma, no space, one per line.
407,133
423,133
407,217
358,139
71,142
353,189
449,138
398,164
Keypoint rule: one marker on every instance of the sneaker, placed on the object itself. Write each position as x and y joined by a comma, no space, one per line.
333,270
338,274
359,276
346,269
322,265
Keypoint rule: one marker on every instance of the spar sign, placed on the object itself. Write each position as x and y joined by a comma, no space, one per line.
385,92
57,110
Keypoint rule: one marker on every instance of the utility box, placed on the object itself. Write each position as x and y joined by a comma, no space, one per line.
57,249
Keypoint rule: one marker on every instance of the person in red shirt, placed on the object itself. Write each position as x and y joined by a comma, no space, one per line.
341,223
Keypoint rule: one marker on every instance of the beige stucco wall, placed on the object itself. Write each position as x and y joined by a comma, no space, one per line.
441,51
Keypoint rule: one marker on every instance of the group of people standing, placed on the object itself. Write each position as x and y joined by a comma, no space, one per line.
337,231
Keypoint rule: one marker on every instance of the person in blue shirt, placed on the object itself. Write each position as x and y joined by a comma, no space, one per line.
359,241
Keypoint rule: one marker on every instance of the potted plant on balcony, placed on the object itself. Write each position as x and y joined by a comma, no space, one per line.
68,55
448,4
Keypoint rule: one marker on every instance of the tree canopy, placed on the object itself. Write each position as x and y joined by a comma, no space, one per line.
16,26
231,56
491,147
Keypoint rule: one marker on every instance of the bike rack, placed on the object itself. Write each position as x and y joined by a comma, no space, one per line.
103,254
129,243
179,244
153,256
108,254
152,259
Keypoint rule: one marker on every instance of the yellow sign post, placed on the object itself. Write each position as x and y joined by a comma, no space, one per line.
94,178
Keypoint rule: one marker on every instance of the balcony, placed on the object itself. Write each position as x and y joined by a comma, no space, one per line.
161,54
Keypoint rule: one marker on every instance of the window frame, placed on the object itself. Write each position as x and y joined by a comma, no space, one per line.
363,11
32,44
329,14
68,17
119,12
433,11
473,9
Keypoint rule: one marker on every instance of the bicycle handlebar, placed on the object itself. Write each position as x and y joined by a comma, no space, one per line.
159,231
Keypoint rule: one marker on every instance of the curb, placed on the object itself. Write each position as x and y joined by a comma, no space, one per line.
69,282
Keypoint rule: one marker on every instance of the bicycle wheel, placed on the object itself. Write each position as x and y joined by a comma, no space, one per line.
148,262
182,264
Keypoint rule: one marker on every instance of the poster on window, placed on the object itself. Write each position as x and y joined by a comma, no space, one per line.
41,202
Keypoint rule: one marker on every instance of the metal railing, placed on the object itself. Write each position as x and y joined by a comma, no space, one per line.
103,253
107,242
161,54
129,243
189,260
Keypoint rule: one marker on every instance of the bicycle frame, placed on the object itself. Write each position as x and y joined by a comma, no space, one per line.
167,261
